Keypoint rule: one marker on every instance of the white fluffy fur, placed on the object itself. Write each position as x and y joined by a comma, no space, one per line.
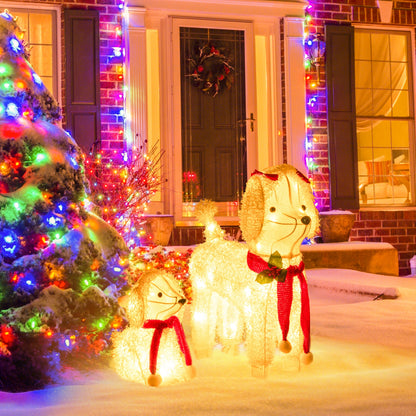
132,346
229,305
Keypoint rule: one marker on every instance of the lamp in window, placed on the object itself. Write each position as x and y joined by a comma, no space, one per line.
316,52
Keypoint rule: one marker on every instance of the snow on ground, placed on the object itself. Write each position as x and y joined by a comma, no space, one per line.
365,364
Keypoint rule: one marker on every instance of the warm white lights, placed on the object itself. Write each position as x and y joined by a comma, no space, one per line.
230,305
151,307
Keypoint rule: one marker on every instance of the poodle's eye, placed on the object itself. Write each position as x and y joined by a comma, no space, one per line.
303,207
160,294
272,209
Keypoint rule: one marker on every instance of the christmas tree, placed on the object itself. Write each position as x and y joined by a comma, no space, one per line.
61,267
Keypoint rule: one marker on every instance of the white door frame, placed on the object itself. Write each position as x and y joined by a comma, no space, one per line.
251,136
277,30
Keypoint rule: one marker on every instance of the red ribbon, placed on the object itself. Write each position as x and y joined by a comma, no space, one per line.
275,176
159,326
285,296
271,176
303,177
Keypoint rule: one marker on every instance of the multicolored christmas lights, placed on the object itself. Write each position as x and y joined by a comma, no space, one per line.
314,49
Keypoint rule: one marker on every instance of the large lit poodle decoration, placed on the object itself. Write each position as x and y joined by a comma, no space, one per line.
153,348
257,291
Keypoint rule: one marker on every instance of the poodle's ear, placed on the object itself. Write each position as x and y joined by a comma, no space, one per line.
252,209
137,302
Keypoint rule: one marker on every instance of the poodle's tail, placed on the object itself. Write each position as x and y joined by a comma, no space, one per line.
205,211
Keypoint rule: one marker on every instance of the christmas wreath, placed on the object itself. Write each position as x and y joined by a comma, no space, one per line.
210,69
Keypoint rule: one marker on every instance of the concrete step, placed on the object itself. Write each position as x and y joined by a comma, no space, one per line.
378,258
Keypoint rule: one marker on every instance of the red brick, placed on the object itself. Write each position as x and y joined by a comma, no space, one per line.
382,231
373,239
391,240
372,224
365,232
409,215
400,247
405,239
389,224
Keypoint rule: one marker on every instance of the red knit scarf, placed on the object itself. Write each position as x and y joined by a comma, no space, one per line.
285,296
159,326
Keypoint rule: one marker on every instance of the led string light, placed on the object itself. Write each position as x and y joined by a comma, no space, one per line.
313,57
43,217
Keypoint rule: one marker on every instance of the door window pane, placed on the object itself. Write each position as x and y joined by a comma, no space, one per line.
213,118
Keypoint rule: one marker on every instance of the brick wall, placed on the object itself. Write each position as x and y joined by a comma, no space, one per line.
111,86
397,227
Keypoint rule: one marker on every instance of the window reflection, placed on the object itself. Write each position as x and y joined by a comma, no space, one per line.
384,116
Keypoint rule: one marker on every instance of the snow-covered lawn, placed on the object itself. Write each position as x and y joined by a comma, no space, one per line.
365,364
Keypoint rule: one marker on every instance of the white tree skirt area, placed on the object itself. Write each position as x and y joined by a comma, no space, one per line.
365,364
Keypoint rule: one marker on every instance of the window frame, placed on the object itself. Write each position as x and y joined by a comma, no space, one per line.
412,109
55,11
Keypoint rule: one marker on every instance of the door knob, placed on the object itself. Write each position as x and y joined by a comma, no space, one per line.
251,120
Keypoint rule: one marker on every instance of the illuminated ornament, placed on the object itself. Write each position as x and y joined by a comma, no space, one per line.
33,324
28,113
40,157
12,110
6,86
15,45
73,162
5,169
256,292
4,188
7,335
20,85
37,79
9,243
53,220
6,15
61,207
117,52
153,348
11,130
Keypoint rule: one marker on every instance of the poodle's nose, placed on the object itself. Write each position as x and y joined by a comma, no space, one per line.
306,220
182,301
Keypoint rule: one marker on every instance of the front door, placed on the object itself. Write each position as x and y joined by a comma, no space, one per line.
213,117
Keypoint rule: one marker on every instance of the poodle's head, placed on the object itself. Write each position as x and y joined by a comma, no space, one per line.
278,211
156,295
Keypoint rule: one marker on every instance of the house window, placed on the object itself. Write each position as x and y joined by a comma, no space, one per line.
384,115
41,35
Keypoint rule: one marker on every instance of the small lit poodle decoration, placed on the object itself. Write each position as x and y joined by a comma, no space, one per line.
153,348
257,292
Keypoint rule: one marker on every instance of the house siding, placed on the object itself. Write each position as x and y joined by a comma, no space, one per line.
397,226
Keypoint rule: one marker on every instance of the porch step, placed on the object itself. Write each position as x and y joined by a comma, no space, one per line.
378,258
